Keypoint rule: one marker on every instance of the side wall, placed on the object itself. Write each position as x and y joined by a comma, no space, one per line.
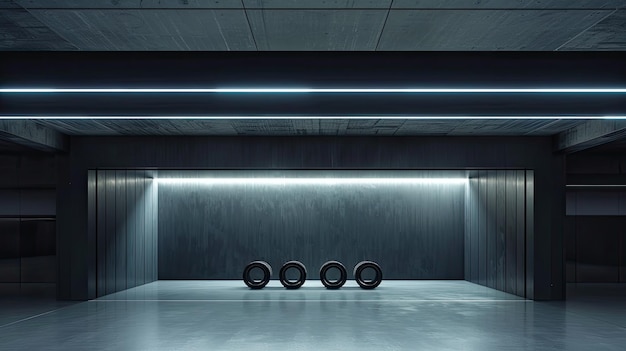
495,231
123,214
77,245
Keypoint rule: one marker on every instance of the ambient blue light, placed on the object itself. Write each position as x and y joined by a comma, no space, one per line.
274,117
316,90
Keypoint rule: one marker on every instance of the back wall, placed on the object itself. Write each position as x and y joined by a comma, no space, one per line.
414,231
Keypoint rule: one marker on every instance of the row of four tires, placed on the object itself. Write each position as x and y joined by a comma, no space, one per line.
326,267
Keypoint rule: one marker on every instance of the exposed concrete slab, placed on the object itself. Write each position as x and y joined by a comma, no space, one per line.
590,134
34,135
608,34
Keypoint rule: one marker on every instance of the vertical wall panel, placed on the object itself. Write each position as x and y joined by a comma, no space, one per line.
123,208
131,230
467,250
482,228
520,234
92,239
120,230
496,230
155,230
101,232
501,227
109,219
141,228
474,207
511,226
622,254
492,223
530,233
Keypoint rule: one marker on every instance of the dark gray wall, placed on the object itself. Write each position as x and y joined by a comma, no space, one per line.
27,219
495,231
122,208
545,267
595,234
596,249
414,231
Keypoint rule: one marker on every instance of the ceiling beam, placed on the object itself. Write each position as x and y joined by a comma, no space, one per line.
590,134
33,135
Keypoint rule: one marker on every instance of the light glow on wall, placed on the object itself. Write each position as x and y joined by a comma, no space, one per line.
314,181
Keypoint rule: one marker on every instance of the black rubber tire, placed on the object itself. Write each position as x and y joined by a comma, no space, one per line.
267,274
358,270
333,284
283,271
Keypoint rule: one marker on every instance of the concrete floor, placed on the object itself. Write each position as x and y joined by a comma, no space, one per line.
399,315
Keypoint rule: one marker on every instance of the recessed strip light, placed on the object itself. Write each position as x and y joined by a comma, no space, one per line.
316,90
596,186
312,181
387,117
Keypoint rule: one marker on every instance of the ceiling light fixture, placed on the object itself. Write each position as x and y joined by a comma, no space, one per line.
315,90
386,117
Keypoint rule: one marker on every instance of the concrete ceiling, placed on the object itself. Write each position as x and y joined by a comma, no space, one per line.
375,127
304,25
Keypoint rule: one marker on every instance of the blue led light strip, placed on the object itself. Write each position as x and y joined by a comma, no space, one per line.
316,90
390,117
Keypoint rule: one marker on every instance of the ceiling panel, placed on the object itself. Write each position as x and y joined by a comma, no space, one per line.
608,34
507,4
8,4
309,127
19,30
308,30
153,30
135,4
317,4
485,29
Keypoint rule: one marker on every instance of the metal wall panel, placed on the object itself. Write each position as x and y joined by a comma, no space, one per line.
530,234
211,232
473,242
131,230
110,225
511,228
622,256
500,229
492,222
496,199
120,230
140,234
482,228
520,234
125,231
92,229
468,235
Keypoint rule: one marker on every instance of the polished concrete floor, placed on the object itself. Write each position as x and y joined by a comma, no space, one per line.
398,315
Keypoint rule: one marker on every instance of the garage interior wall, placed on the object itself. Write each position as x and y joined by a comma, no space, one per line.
499,211
122,208
211,231
474,231
78,239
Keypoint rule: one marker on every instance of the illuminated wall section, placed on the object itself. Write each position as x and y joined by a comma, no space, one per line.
212,223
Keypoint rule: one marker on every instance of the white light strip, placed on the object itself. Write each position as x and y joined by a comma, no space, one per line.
596,186
317,90
312,181
261,118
